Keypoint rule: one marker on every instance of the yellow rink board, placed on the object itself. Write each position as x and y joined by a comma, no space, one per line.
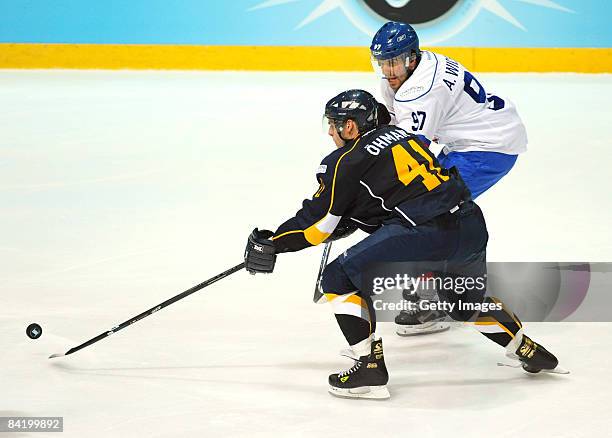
283,58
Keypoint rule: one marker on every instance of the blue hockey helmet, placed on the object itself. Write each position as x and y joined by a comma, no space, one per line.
394,39
357,105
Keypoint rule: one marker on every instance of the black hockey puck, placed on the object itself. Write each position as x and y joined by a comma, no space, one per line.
34,331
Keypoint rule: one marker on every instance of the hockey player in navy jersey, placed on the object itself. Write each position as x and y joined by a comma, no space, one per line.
431,94
385,181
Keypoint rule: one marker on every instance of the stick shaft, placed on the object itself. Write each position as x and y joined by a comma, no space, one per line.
317,292
154,309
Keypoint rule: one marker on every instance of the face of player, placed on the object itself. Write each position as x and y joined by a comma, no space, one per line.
397,70
335,135
395,73
350,131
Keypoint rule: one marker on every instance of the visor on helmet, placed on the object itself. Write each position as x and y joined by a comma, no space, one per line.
338,124
392,67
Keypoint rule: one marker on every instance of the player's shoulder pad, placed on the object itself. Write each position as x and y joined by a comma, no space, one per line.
328,164
422,80
375,141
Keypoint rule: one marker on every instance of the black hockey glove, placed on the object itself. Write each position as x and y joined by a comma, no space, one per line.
260,255
343,229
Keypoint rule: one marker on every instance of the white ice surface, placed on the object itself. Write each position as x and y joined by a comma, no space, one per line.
119,190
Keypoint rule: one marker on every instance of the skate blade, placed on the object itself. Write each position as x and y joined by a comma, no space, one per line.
557,370
370,392
422,329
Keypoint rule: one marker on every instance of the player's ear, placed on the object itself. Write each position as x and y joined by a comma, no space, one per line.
412,60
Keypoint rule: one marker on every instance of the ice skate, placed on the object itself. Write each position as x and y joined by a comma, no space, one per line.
534,358
420,322
367,378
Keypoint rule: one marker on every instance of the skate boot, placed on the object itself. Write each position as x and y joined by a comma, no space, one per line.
417,321
420,322
535,358
367,378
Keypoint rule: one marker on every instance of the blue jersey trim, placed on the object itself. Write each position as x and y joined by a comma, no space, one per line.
430,86
424,139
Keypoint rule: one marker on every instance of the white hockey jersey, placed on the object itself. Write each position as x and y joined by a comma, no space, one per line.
445,102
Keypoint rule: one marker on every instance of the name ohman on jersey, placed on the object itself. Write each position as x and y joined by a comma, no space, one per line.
375,146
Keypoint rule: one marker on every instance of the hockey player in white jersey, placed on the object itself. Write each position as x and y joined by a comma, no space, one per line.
433,95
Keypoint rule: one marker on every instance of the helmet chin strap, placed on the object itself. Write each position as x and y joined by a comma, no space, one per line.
340,130
345,140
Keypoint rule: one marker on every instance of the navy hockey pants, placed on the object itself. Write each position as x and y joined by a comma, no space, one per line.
453,244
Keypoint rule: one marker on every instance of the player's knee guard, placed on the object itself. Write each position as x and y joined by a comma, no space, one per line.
335,281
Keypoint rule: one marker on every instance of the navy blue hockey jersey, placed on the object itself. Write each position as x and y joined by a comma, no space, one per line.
384,174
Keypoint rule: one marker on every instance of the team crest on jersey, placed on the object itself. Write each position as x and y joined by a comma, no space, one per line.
410,92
